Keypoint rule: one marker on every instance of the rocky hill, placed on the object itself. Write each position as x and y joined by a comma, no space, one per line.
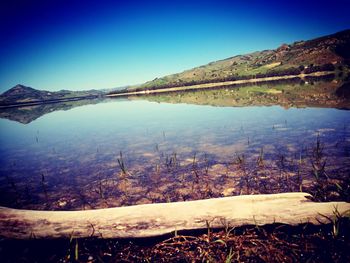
330,52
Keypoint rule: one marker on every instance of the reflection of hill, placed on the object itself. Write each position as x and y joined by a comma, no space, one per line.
28,114
305,94
344,91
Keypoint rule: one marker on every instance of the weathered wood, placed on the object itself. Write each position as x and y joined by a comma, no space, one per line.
157,219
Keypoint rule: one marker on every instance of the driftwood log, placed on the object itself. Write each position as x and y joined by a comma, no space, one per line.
158,219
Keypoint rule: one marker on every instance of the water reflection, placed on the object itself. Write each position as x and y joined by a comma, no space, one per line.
296,93
124,152
28,114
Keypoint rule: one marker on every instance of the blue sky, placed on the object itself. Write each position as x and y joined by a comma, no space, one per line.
62,44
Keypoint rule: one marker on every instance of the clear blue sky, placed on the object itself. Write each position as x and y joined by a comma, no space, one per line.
68,44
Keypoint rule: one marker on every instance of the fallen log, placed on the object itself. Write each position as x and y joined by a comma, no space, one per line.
158,219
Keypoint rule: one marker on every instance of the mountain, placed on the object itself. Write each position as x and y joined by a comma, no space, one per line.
21,93
326,53
26,95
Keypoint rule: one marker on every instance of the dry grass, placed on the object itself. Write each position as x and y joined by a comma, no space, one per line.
271,243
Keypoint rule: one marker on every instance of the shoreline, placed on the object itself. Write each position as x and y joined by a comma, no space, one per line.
51,101
167,90
219,84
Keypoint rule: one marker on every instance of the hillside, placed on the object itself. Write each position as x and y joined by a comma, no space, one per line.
326,53
23,95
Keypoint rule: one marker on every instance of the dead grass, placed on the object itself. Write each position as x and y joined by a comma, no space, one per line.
271,243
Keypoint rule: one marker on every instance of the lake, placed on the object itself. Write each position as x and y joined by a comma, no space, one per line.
175,147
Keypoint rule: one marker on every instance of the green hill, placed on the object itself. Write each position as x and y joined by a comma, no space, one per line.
330,52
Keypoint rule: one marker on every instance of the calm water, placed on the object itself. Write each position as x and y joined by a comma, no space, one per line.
69,159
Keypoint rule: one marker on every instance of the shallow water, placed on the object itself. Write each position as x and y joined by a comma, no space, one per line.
69,159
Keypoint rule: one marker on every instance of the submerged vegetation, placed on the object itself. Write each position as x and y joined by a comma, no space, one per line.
170,178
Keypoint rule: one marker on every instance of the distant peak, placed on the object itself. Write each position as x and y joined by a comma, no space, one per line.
19,88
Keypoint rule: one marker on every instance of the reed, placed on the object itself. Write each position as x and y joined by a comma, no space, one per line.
260,160
121,163
317,152
44,186
171,162
240,160
336,221
229,257
206,161
195,168
100,189
207,223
